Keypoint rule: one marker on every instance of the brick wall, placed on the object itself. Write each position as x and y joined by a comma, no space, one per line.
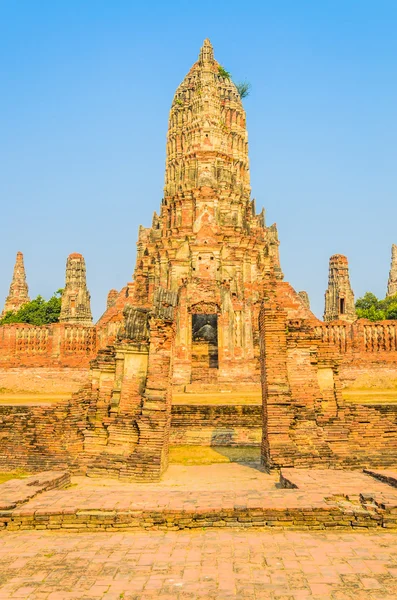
36,438
305,420
53,345
216,425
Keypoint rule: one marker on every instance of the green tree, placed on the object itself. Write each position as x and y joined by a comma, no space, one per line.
370,307
369,300
37,311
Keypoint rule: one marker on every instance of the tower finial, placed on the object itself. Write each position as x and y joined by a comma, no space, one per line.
206,52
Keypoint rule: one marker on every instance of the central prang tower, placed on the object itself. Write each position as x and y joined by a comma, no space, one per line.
207,142
208,244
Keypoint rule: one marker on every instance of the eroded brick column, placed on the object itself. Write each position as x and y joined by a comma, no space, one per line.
150,458
277,448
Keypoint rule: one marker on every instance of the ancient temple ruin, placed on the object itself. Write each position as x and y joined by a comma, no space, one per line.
207,243
208,310
76,307
392,283
339,297
19,292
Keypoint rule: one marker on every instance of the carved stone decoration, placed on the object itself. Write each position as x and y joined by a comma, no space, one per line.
205,308
135,326
164,303
76,306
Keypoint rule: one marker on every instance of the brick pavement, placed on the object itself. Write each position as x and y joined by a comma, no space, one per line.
198,565
213,495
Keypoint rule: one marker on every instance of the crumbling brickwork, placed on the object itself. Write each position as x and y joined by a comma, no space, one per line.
19,293
339,297
111,299
207,242
208,308
392,283
76,307
304,296
305,420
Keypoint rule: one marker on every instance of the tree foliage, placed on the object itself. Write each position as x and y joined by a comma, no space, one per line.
370,307
37,311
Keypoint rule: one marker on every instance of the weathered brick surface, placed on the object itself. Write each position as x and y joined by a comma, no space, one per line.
57,345
19,293
76,306
208,306
304,499
220,425
43,380
305,420
43,437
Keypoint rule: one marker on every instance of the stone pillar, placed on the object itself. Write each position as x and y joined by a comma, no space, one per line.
277,448
76,307
111,299
339,297
392,283
150,458
19,293
304,296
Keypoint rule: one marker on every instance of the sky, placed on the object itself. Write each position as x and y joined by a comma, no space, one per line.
85,92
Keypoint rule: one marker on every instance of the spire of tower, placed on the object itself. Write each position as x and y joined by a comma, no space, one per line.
206,52
392,283
207,140
19,292
76,306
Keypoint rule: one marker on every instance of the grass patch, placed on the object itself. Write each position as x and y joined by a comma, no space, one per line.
206,455
370,396
12,397
19,474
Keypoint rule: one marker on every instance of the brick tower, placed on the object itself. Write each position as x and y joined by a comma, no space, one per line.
392,283
208,244
19,293
339,297
76,306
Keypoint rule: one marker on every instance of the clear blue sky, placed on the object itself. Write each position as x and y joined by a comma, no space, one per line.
85,90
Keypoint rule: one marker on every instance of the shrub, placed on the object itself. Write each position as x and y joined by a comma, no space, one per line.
223,73
244,89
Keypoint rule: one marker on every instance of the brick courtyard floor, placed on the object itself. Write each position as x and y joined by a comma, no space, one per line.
195,497
205,564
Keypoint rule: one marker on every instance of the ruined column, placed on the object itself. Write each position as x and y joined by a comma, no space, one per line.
339,297
111,299
304,296
19,292
76,307
392,283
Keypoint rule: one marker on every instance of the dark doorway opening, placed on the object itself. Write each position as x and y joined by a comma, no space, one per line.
204,346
